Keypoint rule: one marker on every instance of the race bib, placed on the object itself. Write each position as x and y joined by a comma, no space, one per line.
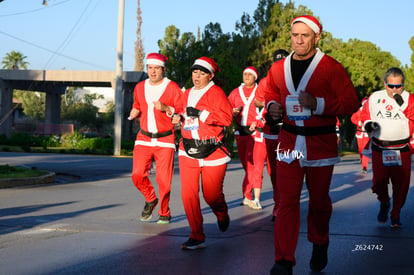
391,158
191,123
294,110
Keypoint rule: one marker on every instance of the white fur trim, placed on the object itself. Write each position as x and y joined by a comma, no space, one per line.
308,22
320,106
252,72
204,64
154,61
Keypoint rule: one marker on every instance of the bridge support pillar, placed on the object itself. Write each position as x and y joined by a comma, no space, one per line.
6,105
52,112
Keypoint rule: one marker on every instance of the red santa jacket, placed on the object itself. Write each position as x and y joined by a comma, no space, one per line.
260,92
328,81
356,119
216,114
271,127
152,120
244,97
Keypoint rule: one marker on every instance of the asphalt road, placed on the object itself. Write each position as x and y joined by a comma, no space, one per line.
87,222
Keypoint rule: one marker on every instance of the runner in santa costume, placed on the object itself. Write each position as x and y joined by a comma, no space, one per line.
259,156
308,89
156,100
271,131
201,152
361,136
388,118
245,113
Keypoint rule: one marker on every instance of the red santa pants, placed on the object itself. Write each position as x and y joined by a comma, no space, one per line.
259,158
400,179
212,178
245,145
143,157
271,145
362,142
289,185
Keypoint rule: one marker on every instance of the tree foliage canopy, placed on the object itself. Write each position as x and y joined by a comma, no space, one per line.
255,40
257,37
33,103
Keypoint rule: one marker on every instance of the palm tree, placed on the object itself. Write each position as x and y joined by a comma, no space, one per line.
14,61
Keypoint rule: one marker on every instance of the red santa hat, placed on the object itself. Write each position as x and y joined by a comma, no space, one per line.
205,64
309,20
252,70
156,59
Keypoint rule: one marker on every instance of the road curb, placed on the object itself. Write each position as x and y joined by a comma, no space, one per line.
15,182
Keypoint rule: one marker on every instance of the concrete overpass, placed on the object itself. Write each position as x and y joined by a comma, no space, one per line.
54,84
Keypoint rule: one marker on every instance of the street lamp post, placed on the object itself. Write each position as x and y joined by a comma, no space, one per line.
118,80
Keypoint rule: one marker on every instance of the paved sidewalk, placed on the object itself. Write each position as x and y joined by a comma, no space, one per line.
88,223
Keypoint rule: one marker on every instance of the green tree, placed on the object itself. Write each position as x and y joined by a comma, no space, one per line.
276,33
80,109
89,98
181,52
33,103
14,61
230,51
409,71
365,63
218,45
263,14
108,116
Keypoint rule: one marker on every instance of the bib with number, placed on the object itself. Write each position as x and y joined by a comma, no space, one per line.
294,110
191,123
391,158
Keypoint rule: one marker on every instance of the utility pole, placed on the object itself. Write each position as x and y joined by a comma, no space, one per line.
118,80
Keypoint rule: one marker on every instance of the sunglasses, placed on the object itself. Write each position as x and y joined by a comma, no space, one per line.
396,86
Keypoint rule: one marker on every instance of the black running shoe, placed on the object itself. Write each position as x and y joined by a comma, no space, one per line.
396,224
282,268
146,214
224,224
383,213
164,219
319,257
192,244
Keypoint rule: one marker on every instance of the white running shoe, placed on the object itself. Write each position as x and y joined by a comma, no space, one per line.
255,204
245,202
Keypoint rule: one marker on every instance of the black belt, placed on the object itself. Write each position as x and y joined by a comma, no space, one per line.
386,143
156,135
309,131
404,148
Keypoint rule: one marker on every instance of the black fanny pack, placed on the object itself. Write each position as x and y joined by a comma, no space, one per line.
200,149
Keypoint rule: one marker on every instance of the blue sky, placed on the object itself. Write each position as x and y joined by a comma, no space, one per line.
84,32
